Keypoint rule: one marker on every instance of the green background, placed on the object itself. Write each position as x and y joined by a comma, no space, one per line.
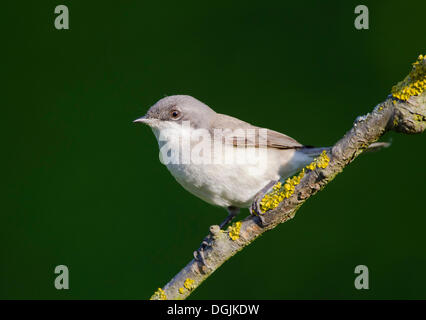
83,186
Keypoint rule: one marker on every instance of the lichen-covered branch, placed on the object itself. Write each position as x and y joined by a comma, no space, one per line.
403,111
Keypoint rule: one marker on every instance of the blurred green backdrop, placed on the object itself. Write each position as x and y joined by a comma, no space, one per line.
83,186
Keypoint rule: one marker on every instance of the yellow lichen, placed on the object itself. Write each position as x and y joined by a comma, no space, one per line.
311,166
323,160
413,84
189,284
418,117
395,122
159,295
279,192
234,230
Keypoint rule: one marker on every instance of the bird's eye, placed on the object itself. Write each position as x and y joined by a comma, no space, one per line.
175,114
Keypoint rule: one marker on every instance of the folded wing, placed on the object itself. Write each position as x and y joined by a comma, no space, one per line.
247,135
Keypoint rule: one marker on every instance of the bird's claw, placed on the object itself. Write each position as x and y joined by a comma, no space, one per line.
199,254
255,208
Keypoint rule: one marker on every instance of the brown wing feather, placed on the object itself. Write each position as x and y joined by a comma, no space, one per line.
250,135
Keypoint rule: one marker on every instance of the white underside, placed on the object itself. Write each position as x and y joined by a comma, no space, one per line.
231,183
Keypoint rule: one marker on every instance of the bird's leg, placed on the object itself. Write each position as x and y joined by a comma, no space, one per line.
255,206
232,213
199,254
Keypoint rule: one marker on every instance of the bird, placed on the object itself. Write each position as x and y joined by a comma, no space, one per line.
182,124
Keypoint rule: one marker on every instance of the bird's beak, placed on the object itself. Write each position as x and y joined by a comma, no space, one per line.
143,119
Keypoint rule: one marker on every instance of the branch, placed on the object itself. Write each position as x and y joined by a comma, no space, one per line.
403,111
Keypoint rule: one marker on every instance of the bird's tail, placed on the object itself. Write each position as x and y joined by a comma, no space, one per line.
314,152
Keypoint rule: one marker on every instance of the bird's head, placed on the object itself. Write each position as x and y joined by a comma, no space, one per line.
173,110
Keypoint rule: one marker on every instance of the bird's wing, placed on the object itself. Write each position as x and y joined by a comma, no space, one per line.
248,135
281,141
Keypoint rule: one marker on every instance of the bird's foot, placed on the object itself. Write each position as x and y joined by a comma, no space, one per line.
199,253
232,213
255,208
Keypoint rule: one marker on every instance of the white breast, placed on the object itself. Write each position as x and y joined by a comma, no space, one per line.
222,182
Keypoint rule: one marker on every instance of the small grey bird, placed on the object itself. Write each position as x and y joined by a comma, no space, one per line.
228,184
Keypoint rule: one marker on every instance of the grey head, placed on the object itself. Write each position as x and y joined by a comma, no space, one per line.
177,109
